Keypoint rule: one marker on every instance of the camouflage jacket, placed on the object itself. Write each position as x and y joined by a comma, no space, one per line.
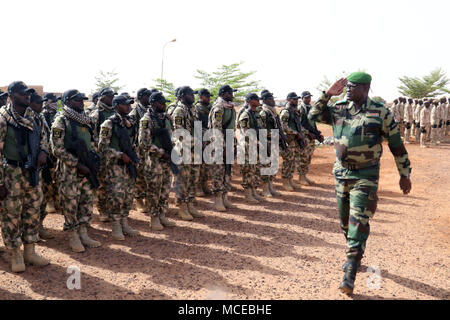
435,115
146,140
358,135
424,118
287,124
217,118
409,113
417,113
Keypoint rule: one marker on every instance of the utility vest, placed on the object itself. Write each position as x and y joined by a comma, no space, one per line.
102,116
114,143
83,132
159,123
228,118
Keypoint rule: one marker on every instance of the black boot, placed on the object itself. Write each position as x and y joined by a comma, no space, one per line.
345,265
348,281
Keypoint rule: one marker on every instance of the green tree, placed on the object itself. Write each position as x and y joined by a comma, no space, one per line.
231,75
107,79
429,86
166,87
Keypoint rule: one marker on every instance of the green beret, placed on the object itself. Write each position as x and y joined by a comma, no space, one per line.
360,78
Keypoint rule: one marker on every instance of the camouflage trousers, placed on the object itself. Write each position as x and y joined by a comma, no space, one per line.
305,156
219,178
434,135
407,131
357,202
260,177
101,191
203,174
249,174
425,137
50,195
184,183
158,178
76,198
20,209
291,157
140,186
119,192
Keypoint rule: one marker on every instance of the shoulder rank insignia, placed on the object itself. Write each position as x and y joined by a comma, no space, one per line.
103,132
57,133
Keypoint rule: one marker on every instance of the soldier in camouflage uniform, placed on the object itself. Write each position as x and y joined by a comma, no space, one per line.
75,191
270,121
222,117
201,113
291,156
20,194
121,166
184,184
435,119
36,104
156,171
425,124
408,119
359,126
444,116
311,134
417,111
103,111
250,120
3,98
173,105
93,106
137,113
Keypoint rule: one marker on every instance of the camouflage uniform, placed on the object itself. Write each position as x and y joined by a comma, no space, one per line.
417,111
310,144
358,135
75,191
425,125
292,155
137,113
408,118
435,119
20,208
89,110
201,113
249,119
119,183
268,116
443,122
99,115
221,117
184,184
157,174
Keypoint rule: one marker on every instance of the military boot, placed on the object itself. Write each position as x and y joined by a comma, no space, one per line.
347,263
227,203
117,232
272,189
218,203
286,185
304,180
194,212
140,203
206,189
166,222
266,190
44,233
127,229
75,242
256,195
155,224
294,184
17,263
86,240
30,256
183,212
199,192
348,282
249,196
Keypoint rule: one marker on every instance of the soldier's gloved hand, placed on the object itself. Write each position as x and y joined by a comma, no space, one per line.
42,159
125,158
405,185
3,193
83,170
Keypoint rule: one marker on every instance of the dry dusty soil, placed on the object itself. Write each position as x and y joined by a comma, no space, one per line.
289,247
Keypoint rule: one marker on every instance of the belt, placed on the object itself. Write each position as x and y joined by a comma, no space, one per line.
358,166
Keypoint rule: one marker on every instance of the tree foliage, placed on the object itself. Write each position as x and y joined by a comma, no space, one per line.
429,86
231,75
107,79
166,87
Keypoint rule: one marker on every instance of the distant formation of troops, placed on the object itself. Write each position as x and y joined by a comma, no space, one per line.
427,120
68,158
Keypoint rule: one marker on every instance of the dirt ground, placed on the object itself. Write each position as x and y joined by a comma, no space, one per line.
289,247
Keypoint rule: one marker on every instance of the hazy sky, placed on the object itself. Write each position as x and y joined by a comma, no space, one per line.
291,44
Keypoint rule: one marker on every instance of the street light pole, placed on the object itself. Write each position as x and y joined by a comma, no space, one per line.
162,59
